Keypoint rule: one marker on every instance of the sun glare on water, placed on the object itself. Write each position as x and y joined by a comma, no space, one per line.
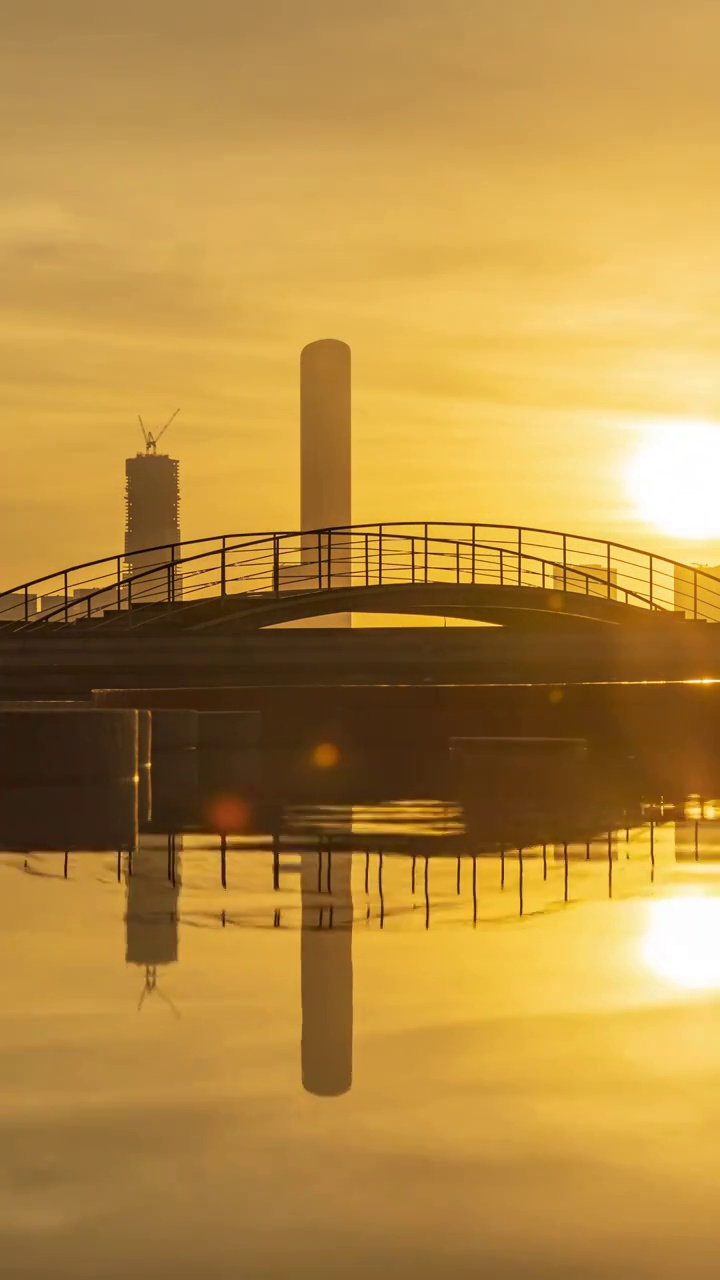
672,479
682,943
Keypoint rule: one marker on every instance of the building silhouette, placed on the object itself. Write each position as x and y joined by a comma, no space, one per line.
587,579
707,601
16,606
152,502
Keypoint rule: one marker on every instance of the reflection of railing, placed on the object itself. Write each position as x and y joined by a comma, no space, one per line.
460,886
270,565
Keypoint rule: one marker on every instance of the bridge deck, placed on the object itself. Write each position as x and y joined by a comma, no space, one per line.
506,606
70,661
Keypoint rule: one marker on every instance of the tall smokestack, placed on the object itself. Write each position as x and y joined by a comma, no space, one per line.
325,455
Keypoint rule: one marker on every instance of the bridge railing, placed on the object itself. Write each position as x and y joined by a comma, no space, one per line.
362,556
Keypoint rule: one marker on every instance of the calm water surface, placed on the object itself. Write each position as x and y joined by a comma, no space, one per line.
346,1065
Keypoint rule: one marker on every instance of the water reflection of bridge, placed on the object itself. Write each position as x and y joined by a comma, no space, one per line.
329,884
253,880
259,881
246,883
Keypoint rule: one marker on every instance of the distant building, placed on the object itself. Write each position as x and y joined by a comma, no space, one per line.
587,579
83,602
14,604
55,604
92,602
152,501
707,604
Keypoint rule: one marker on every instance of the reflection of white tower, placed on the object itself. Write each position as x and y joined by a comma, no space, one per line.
327,973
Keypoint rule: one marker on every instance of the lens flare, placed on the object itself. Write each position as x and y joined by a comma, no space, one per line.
326,755
229,814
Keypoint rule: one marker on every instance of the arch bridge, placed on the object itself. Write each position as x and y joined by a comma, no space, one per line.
502,574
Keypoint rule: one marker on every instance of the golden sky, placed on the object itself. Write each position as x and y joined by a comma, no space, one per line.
508,208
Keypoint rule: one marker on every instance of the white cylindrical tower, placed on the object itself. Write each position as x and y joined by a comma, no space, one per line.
325,435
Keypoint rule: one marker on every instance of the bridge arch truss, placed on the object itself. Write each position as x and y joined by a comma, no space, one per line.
483,572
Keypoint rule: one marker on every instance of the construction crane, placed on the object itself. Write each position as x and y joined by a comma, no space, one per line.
151,441
151,988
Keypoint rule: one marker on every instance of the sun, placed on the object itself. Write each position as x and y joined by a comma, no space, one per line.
672,479
682,943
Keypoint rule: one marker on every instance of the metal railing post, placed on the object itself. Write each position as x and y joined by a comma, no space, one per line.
129,593
367,559
519,557
169,581
426,553
695,610
276,564
223,568
474,536
380,554
564,545
27,604
457,562
119,584
319,557
502,579
651,584
66,589
171,578
609,572
329,554
412,558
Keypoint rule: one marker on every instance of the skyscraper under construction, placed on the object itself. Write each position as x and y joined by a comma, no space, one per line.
152,501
